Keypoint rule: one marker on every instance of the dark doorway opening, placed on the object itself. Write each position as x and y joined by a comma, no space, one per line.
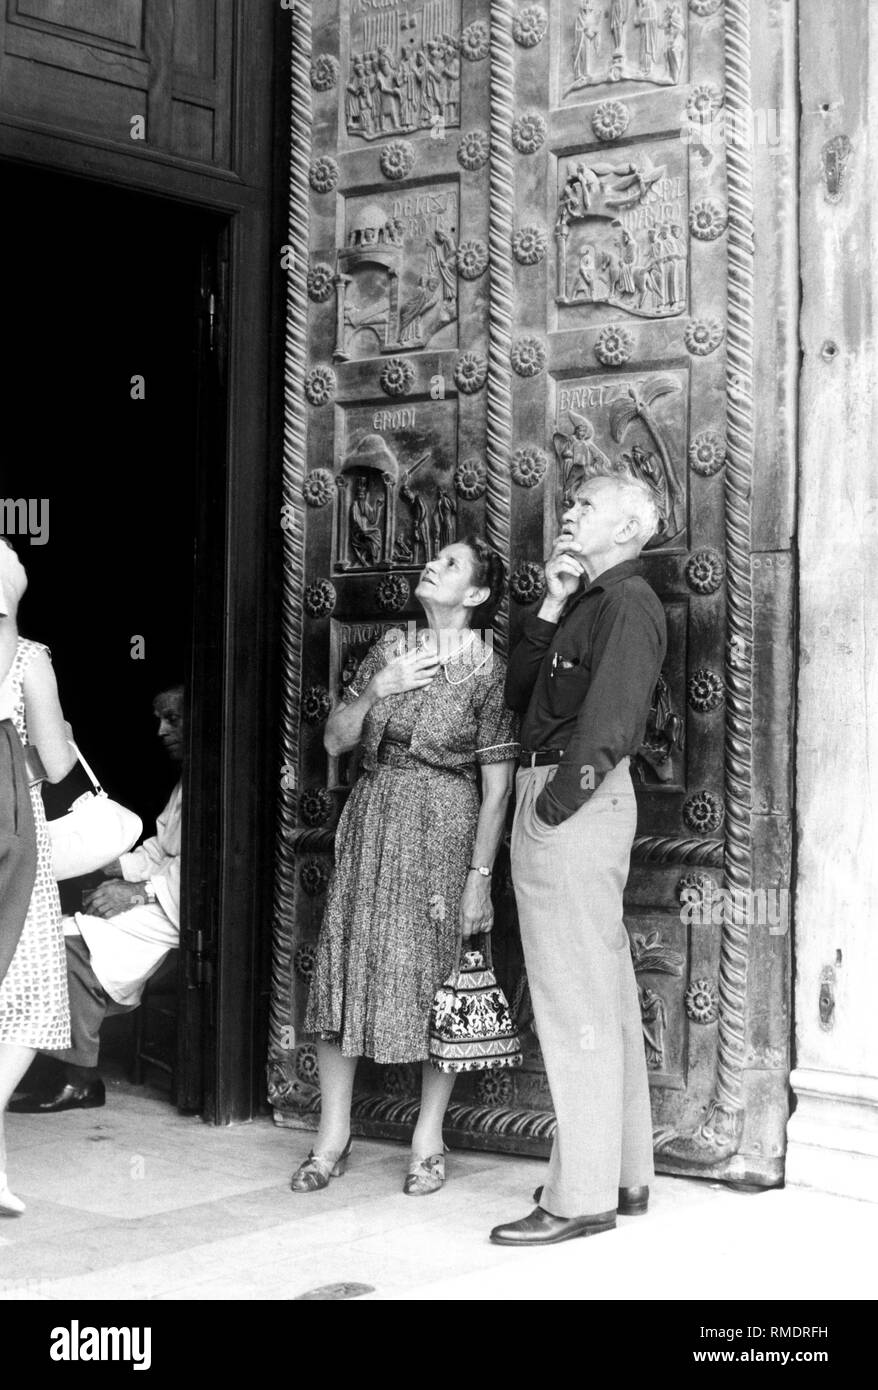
106,320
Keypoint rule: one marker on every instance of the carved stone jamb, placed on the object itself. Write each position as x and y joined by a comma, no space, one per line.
719,1135
281,1073
498,501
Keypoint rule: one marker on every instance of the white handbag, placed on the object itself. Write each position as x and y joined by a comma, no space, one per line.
95,831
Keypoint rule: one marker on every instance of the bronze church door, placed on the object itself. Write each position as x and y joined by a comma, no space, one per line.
521,249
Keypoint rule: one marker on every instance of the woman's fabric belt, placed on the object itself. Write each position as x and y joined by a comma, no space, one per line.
396,755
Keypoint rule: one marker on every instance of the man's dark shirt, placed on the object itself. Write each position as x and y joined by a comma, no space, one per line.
585,684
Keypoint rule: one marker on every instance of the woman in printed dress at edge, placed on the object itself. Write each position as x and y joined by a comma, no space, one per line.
411,842
33,993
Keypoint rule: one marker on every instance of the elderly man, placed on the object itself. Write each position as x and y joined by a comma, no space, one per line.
132,922
582,676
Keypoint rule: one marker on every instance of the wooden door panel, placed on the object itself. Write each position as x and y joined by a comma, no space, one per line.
90,68
505,291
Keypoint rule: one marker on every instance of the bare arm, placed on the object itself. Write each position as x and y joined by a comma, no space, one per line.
46,728
476,908
345,725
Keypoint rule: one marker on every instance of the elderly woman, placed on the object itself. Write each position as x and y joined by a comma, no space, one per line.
414,850
33,990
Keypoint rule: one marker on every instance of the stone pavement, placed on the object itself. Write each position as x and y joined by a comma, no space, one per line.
134,1201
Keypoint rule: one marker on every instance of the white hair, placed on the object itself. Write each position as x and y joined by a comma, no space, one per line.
640,502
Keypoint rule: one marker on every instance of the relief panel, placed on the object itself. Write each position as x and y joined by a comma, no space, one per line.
396,278
402,68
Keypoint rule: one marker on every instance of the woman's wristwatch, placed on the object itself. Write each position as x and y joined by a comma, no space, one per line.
480,869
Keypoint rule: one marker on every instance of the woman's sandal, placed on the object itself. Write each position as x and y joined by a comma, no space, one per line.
315,1172
425,1175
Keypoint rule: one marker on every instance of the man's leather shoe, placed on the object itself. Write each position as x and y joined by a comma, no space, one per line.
541,1228
633,1201
68,1098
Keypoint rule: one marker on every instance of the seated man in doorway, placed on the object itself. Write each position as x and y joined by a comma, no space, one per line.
131,923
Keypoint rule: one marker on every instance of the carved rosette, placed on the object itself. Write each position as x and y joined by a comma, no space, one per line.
397,160
472,259
320,284
473,150
318,487
703,813
304,961
528,356
707,219
471,372
392,593
315,806
324,72
528,467
315,704
470,479
475,41
705,690
702,336
528,582
702,1001
697,889
529,245
610,120
529,132
314,877
320,385
707,453
703,102
397,376
705,571
319,598
529,26
307,1069
323,174
494,1087
614,346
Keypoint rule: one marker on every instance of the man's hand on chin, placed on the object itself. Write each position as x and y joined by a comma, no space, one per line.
113,897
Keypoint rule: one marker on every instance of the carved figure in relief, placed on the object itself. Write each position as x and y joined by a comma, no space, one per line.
409,89
445,519
451,73
585,275
654,1017
367,542
646,20
414,310
619,10
674,28
587,40
422,529
578,454
388,86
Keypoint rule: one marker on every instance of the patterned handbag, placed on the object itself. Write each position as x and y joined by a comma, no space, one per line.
471,1023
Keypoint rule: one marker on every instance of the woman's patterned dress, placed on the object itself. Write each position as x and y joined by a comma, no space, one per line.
33,995
403,846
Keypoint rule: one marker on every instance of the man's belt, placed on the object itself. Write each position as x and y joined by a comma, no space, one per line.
540,757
